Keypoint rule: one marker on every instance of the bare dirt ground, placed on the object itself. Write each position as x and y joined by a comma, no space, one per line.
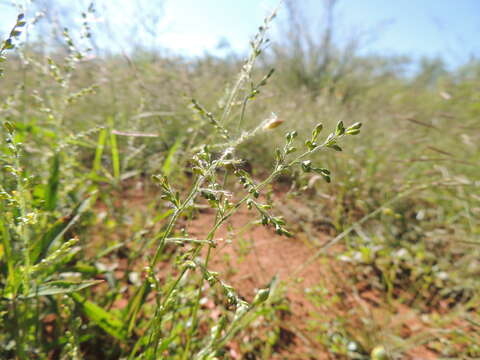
259,254
249,255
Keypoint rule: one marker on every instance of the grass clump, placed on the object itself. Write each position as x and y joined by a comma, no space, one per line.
162,316
132,219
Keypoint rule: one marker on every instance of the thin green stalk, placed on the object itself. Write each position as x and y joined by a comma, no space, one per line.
248,67
209,239
18,330
22,230
196,305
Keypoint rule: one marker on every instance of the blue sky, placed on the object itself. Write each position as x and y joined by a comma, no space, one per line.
447,28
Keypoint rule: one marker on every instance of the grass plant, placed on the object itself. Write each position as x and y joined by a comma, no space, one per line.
108,163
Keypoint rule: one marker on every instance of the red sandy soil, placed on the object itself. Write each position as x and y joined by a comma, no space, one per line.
257,254
290,259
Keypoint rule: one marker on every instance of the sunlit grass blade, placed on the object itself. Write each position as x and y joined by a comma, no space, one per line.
104,319
168,165
115,153
51,193
61,287
58,229
135,304
97,162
